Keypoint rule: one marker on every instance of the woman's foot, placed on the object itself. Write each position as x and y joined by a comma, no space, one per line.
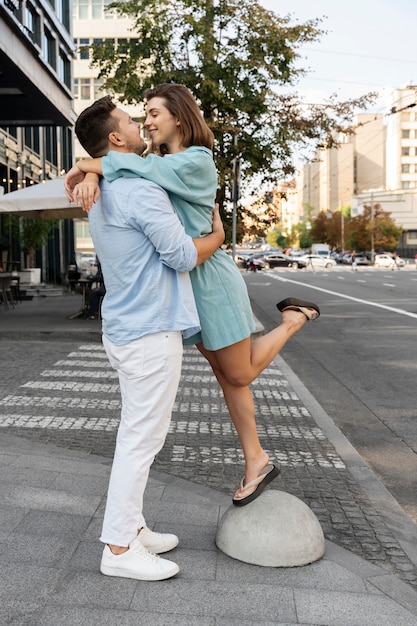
309,309
253,470
253,489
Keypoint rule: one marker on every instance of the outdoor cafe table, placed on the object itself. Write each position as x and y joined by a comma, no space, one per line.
85,284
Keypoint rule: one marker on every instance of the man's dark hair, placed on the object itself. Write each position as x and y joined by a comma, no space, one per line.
94,125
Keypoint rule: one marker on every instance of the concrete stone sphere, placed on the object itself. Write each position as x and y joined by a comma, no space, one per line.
275,530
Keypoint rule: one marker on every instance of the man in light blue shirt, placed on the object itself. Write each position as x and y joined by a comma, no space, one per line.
149,306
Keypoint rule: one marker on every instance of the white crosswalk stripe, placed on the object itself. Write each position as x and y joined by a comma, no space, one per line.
199,395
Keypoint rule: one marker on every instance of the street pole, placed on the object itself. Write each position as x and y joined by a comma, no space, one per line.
372,229
235,197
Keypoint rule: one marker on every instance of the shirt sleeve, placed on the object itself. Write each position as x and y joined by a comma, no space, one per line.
151,210
183,174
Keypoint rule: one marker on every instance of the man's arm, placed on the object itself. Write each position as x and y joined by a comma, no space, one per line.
206,246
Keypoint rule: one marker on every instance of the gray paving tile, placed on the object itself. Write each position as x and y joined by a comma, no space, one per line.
331,608
26,584
46,499
177,513
320,575
86,556
50,523
93,590
397,590
81,485
192,537
63,465
27,476
39,551
190,562
108,617
11,516
205,598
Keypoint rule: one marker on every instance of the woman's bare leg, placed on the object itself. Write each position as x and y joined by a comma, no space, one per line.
242,412
242,362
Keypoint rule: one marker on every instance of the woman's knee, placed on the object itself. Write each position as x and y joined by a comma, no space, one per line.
238,379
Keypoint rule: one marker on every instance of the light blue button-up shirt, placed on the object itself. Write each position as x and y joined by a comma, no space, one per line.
145,257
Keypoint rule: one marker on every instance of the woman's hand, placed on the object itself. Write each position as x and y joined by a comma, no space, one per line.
74,177
87,192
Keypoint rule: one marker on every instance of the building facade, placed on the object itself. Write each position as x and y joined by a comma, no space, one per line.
328,182
92,23
378,164
36,114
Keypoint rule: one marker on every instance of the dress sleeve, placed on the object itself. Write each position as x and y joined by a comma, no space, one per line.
185,175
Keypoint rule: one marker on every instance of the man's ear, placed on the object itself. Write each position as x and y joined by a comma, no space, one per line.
115,139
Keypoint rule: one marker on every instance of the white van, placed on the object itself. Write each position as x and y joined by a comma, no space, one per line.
323,249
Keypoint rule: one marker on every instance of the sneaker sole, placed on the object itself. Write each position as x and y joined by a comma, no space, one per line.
123,573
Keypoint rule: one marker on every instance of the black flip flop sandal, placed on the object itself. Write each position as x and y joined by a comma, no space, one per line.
309,309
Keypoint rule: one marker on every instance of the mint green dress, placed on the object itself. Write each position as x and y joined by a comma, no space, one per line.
190,179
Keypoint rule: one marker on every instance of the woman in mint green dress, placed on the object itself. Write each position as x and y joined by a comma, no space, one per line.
185,168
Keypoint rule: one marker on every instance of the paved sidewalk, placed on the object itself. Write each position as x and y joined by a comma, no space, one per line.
52,491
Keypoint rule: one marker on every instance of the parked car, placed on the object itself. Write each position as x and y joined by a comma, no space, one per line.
364,258
277,259
387,260
87,263
314,261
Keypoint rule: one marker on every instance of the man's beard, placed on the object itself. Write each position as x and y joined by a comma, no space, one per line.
137,148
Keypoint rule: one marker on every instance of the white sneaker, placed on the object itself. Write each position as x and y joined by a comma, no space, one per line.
137,563
157,542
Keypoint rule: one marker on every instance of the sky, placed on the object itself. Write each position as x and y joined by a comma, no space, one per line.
370,46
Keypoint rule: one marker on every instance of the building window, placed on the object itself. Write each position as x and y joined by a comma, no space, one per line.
32,24
51,144
49,45
83,49
64,69
82,88
405,168
97,9
81,9
85,88
98,88
405,184
31,138
81,228
405,134
405,151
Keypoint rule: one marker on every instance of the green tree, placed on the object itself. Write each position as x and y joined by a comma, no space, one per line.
277,238
32,233
235,56
301,232
375,226
319,229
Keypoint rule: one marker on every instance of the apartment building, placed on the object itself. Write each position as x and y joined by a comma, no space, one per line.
92,23
378,164
328,182
402,140
36,112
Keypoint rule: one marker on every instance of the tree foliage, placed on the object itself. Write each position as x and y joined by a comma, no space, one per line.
240,61
32,233
373,228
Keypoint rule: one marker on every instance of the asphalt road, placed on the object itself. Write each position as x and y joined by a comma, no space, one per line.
359,360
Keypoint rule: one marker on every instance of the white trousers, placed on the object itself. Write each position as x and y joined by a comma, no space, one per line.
149,372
